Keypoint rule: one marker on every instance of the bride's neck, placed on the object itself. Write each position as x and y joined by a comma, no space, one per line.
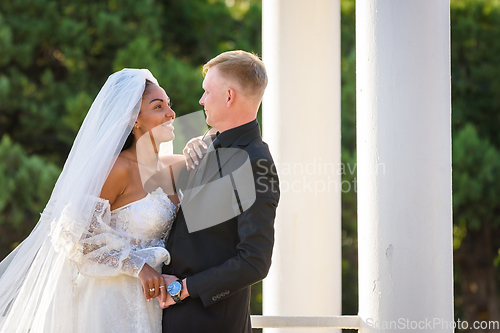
144,151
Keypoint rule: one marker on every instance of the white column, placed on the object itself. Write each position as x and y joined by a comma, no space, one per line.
301,124
404,164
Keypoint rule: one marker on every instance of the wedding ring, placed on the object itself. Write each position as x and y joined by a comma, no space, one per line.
162,286
151,289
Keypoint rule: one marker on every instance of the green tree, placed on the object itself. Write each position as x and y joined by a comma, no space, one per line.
476,159
27,182
476,184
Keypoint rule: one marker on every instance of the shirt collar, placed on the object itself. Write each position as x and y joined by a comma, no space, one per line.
227,138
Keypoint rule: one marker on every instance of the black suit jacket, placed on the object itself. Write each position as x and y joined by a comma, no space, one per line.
222,262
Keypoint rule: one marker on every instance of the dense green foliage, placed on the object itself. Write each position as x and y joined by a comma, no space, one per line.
26,185
477,169
476,101
348,119
475,32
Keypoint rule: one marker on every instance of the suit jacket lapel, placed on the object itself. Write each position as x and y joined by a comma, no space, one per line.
195,175
199,178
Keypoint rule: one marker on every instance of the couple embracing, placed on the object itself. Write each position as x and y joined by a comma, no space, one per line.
115,252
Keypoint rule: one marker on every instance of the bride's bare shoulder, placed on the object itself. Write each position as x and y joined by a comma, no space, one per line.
122,167
118,179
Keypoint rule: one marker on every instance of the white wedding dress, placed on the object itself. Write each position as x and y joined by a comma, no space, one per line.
108,296
77,270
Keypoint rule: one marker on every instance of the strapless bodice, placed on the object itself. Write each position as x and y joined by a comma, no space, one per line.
145,220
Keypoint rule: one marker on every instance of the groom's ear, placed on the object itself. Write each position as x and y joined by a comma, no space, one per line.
230,94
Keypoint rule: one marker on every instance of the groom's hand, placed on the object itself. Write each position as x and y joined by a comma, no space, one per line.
168,302
164,298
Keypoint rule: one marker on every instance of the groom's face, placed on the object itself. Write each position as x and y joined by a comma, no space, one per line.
214,98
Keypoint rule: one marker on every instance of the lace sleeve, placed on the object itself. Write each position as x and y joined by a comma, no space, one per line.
101,250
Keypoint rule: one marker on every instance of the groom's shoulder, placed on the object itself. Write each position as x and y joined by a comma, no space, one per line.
260,157
258,149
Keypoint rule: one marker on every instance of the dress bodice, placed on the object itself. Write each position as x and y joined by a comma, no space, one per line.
121,241
145,221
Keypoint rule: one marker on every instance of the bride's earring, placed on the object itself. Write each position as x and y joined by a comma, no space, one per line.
135,127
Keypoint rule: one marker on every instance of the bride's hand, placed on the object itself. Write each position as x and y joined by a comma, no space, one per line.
192,152
152,282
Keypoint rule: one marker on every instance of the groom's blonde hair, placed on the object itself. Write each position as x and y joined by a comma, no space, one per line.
246,68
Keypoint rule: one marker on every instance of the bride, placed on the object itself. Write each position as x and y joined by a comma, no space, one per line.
92,262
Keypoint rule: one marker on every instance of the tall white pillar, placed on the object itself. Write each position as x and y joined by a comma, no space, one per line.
301,124
404,165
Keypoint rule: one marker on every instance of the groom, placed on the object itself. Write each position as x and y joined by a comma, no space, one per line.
216,265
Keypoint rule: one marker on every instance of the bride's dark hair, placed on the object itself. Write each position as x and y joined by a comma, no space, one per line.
130,139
